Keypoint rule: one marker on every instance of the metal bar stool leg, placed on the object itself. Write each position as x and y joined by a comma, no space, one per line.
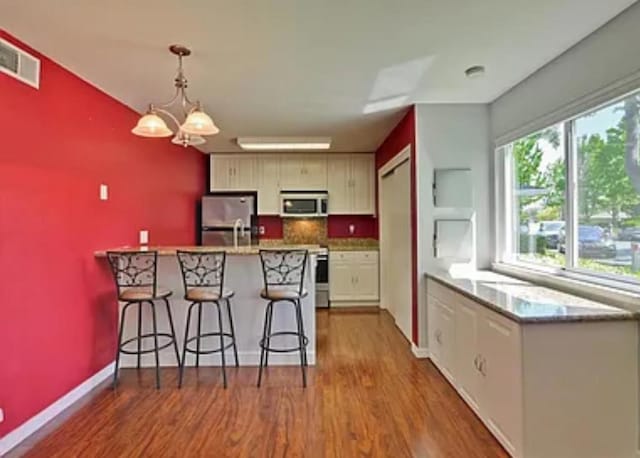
263,342
139,334
222,356
184,348
120,333
301,343
199,334
306,360
173,331
266,357
155,338
233,332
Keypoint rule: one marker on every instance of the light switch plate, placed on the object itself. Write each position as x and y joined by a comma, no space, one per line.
104,192
144,237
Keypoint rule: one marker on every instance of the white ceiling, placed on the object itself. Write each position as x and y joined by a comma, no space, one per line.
306,67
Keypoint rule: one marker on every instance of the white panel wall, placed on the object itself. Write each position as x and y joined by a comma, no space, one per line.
452,136
602,66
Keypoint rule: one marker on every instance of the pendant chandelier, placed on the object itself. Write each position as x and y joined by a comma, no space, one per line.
196,123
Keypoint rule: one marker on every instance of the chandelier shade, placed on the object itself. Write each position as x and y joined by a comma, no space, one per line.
196,122
199,123
152,126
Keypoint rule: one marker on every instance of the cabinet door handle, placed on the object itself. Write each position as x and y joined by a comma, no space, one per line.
439,336
481,367
475,363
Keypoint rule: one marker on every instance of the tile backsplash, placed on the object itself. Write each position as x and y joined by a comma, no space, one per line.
304,231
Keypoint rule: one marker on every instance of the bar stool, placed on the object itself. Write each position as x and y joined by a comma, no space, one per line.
203,277
135,275
283,272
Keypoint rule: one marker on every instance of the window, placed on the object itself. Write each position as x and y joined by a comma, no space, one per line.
593,225
605,144
536,171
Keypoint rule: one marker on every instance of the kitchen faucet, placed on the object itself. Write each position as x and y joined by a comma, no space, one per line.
238,224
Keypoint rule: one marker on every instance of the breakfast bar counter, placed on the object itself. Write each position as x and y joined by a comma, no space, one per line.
244,276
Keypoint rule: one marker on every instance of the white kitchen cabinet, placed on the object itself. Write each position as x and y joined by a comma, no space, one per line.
353,278
235,172
500,390
466,351
304,172
338,184
442,336
542,389
351,184
268,176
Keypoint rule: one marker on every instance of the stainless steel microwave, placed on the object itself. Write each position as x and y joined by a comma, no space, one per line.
302,204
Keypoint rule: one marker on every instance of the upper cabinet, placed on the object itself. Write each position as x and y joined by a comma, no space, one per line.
303,172
233,172
351,184
268,166
349,178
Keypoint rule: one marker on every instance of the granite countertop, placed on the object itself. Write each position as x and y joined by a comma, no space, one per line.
243,250
526,302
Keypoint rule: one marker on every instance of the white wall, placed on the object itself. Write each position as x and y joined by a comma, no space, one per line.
452,136
602,66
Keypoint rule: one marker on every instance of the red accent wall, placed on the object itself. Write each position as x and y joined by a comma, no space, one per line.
403,134
272,227
337,226
365,226
58,314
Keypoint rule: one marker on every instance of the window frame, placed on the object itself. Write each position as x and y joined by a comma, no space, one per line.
504,204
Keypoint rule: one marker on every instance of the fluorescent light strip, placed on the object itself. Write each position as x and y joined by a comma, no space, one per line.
280,144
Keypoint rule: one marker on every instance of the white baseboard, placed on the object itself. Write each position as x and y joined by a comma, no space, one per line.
36,422
419,352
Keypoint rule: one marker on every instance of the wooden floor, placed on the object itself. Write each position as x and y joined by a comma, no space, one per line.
368,396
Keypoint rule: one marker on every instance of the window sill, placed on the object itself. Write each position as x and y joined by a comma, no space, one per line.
610,292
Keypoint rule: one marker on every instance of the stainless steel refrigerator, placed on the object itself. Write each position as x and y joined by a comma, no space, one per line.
219,213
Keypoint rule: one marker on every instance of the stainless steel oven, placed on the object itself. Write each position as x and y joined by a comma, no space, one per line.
322,280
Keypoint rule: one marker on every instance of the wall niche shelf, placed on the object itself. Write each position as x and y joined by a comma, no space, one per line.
453,239
452,188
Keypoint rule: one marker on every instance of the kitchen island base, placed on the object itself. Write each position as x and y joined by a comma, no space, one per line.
244,276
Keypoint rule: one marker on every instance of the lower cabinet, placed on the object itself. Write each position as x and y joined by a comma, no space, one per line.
353,278
478,351
555,389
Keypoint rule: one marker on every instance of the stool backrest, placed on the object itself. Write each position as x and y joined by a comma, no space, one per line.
284,268
134,269
202,269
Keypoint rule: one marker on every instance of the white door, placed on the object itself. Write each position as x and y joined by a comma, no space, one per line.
366,278
341,287
395,245
467,352
314,172
362,184
291,172
500,394
268,184
221,170
244,173
338,182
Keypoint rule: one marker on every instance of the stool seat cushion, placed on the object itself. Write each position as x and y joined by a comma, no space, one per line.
207,294
143,293
277,293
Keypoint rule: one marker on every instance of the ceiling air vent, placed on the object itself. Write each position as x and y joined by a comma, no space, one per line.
18,64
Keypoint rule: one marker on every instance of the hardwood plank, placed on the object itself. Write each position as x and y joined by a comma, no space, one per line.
367,397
